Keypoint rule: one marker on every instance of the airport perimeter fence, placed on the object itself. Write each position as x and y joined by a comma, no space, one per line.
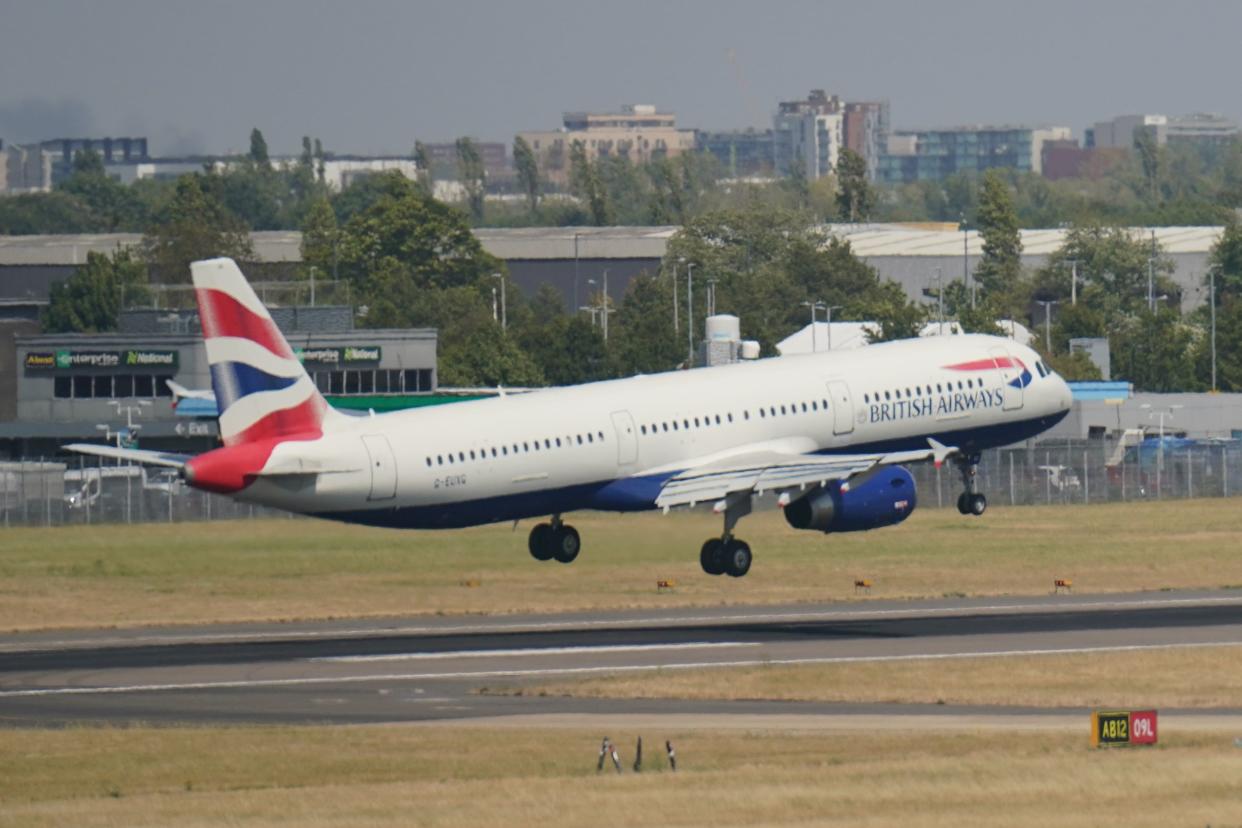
96,491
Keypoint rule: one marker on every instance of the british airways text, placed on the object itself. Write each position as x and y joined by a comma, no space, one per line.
957,402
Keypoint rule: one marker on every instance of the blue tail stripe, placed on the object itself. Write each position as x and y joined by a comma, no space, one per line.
234,380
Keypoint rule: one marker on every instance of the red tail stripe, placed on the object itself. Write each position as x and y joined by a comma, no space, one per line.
222,315
984,364
303,420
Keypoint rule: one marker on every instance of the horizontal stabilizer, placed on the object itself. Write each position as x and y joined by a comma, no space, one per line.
148,458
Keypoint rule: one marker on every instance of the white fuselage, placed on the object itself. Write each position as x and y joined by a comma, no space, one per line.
597,445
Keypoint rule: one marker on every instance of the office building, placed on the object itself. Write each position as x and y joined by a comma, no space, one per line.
935,154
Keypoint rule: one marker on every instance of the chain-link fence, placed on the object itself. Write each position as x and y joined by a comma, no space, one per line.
93,490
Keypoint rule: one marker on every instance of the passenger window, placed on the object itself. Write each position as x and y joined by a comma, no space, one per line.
696,422
729,416
717,419
886,396
772,411
601,436
428,461
686,423
590,437
815,404
558,442
504,450
643,429
439,459
471,454
762,413
579,439
745,415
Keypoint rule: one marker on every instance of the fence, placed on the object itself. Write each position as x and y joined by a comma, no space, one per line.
92,490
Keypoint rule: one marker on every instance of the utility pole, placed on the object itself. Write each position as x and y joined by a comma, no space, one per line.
504,308
966,277
1073,281
576,270
1047,303
676,324
604,302
1151,276
1212,302
690,312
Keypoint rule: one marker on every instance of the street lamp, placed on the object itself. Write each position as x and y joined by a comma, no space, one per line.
1162,413
604,304
1047,303
814,306
1073,263
676,324
504,308
576,269
1212,304
967,279
1151,276
690,312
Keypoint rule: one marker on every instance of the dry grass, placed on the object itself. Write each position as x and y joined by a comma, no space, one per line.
364,776
1190,677
284,569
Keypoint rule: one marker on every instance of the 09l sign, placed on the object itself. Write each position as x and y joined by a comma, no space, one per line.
1129,727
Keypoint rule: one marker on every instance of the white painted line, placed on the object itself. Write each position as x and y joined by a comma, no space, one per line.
565,671
861,613
537,651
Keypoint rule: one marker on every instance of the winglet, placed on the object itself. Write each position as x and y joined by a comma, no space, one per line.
940,452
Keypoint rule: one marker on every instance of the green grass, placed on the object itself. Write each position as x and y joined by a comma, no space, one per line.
288,569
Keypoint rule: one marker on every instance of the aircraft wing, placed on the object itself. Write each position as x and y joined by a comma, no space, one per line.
149,458
766,471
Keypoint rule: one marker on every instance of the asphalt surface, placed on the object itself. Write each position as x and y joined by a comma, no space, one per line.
427,669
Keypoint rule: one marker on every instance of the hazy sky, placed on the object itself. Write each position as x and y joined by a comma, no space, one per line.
373,75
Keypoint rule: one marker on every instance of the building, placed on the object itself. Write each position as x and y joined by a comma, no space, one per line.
808,135
743,153
72,386
865,127
638,132
120,151
1198,129
935,154
25,169
443,159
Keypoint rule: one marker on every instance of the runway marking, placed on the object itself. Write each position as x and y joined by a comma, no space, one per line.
537,651
295,682
860,613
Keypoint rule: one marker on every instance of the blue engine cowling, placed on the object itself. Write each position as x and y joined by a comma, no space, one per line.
884,497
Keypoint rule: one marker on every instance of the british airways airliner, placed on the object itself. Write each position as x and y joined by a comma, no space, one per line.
827,435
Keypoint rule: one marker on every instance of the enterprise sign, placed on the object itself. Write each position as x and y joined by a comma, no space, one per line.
336,356
75,360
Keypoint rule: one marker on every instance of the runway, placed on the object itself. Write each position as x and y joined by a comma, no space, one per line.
427,669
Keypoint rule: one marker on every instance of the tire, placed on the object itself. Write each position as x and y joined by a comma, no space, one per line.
567,544
978,504
963,503
541,542
737,558
711,557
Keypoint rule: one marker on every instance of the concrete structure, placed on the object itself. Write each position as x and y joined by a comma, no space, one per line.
808,135
119,151
338,172
1201,128
25,169
935,154
496,167
742,153
1197,416
639,132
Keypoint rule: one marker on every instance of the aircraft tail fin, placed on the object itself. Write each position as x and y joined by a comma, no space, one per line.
262,389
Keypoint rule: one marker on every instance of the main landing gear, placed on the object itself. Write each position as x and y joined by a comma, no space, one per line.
972,501
727,554
554,540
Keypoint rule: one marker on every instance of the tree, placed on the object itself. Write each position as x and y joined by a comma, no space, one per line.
855,196
320,236
1150,156
1154,351
1001,264
1226,256
196,225
527,172
43,213
90,300
114,206
422,160
258,149
488,358
641,333
586,184
471,173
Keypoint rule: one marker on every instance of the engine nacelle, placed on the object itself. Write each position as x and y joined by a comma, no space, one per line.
884,497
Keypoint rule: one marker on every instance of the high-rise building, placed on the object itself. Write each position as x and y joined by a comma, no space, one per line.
638,132
1200,128
935,154
741,152
110,150
866,132
25,170
808,135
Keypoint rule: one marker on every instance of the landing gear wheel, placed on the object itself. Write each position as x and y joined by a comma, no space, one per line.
963,503
566,544
978,504
737,558
541,542
712,557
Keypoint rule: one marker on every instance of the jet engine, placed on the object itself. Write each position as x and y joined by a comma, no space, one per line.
882,497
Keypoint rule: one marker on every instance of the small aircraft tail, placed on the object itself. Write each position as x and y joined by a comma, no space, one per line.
261,387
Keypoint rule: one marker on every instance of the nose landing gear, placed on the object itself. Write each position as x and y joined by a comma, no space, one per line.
972,501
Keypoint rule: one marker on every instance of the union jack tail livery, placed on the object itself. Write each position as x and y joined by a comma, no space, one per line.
261,387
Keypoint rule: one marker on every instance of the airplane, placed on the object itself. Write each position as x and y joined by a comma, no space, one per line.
826,434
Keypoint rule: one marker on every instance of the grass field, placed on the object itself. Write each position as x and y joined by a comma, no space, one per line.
362,776
1196,677
290,569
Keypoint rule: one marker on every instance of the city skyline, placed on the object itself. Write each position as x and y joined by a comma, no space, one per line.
375,76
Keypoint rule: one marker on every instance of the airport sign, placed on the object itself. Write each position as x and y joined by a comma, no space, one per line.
1123,727
337,356
65,360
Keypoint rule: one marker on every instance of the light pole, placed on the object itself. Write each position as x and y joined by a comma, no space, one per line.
690,312
814,306
576,270
1047,303
676,326
1162,414
504,307
940,298
1212,303
828,309
1073,281
604,309
711,296
1151,276
966,277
